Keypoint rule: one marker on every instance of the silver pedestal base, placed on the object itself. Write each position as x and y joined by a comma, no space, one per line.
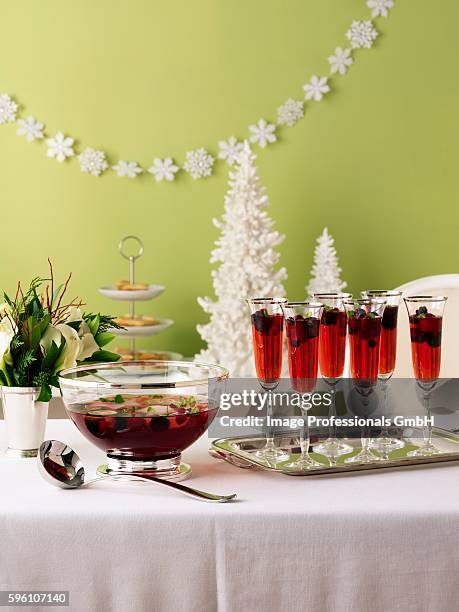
183,473
17,452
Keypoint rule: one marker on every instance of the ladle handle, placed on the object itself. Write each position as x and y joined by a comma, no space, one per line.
196,493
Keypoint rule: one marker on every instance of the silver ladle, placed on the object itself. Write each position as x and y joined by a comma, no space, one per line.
61,467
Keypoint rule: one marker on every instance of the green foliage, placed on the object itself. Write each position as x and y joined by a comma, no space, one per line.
30,313
103,338
102,356
105,322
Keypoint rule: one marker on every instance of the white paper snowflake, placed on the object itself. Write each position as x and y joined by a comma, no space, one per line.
129,169
316,88
230,150
361,34
30,128
263,133
60,147
199,163
163,169
340,61
290,112
8,109
380,7
92,162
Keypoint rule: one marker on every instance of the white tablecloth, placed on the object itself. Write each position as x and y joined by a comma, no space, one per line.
375,542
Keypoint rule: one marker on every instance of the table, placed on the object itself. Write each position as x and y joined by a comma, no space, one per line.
379,542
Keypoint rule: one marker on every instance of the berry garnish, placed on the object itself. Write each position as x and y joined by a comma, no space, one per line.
417,336
266,323
422,312
300,330
92,425
312,327
330,316
261,320
159,423
432,339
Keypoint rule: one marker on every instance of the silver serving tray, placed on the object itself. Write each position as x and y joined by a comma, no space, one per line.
240,452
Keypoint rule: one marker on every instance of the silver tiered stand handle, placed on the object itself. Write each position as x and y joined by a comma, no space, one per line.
131,258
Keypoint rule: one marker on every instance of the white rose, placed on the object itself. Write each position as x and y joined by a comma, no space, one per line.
68,357
88,346
75,314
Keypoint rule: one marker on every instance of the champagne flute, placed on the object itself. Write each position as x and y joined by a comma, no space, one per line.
267,333
302,323
425,313
385,443
364,319
332,352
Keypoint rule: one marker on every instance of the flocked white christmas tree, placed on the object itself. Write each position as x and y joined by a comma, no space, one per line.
325,273
247,256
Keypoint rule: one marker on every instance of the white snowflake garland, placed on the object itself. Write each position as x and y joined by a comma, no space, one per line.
230,150
8,109
290,112
92,161
129,169
60,147
199,163
380,8
361,34
30,128
263,133
163,169
316,88
340,61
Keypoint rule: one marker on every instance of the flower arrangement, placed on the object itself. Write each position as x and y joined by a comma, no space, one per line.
40,335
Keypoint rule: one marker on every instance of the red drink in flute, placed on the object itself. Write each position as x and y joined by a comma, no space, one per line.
267,333
388,350
385,442
303,351
364,340
302,322
364,325
425,332
332,352
332,345
388,346
425,313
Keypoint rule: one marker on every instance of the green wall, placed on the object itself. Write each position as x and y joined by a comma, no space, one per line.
376,161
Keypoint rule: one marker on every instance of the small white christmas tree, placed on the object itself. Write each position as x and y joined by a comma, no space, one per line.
325,273
247,257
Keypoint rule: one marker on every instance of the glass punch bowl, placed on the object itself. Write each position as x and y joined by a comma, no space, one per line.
143,414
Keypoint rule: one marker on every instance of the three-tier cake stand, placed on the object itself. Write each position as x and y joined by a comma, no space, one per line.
133,296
